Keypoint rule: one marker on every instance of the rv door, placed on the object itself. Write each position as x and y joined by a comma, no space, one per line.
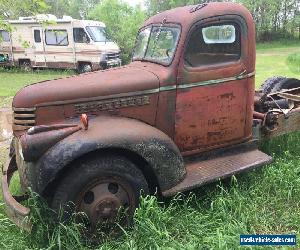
39,48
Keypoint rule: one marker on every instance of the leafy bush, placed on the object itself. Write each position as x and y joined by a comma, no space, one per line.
293,61
122,22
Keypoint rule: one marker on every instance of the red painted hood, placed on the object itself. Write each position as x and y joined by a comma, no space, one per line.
101,83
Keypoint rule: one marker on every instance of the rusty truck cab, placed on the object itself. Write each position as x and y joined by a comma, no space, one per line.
207,86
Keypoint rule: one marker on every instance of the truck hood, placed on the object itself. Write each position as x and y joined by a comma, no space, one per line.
90,85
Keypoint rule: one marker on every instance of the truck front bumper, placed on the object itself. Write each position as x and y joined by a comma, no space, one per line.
15,211
111,63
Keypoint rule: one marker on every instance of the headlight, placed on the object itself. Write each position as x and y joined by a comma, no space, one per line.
103,57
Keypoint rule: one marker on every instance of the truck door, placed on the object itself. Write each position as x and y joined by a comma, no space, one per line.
213,88
38,48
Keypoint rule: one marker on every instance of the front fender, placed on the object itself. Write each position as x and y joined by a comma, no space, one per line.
105,132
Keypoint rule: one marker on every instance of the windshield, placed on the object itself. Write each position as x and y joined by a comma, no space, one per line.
156,44
97,33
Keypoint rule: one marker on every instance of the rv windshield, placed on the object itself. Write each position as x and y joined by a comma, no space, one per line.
156,44
98,34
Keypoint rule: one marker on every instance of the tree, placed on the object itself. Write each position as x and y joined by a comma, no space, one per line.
15,9
297,22
122,21
274,18
156,6
75,8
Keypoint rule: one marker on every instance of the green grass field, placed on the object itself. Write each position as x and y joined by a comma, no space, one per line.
273,61
13,80
266,200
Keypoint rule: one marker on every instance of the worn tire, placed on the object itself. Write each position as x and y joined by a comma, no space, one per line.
287,83
96,170
275,84
269,84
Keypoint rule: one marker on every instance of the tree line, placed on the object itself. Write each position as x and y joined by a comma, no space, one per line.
275,19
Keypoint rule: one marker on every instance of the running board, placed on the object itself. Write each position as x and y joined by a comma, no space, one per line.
200,172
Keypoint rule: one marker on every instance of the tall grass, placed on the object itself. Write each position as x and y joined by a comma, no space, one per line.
212,217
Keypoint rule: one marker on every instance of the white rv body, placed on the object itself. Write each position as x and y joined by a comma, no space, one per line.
46,42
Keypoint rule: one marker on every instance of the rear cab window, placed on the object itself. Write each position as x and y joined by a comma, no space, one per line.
214,44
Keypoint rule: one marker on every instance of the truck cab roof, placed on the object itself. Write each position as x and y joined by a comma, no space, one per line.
188,15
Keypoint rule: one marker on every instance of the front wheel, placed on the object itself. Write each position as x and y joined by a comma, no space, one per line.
101,188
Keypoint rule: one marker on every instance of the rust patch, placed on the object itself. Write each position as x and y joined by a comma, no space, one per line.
219,135
227,96
219,121
211,115
196,140
93,107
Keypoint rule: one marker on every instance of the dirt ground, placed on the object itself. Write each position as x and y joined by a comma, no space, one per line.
5,132
5,124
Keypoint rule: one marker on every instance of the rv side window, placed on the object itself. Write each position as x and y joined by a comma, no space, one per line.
4,36
57,37
80,36
37,36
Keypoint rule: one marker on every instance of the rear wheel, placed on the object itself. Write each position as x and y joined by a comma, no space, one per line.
84,68
101,188
25,66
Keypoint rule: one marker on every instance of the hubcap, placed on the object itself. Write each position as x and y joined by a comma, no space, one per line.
102,201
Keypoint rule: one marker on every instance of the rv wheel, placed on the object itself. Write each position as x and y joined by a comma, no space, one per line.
25,66
84,68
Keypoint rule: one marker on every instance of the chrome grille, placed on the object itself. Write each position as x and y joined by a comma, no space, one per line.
23,118
112,56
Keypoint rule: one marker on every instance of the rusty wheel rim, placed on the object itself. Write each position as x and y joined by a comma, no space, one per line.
107,201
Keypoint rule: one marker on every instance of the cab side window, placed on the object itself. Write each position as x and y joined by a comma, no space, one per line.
57,37
80,36
214,44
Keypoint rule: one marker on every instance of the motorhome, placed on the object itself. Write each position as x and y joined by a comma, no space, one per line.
44,41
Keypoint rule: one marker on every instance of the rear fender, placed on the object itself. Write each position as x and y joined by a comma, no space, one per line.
155,147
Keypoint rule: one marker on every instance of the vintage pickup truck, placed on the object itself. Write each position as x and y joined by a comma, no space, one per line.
182,114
